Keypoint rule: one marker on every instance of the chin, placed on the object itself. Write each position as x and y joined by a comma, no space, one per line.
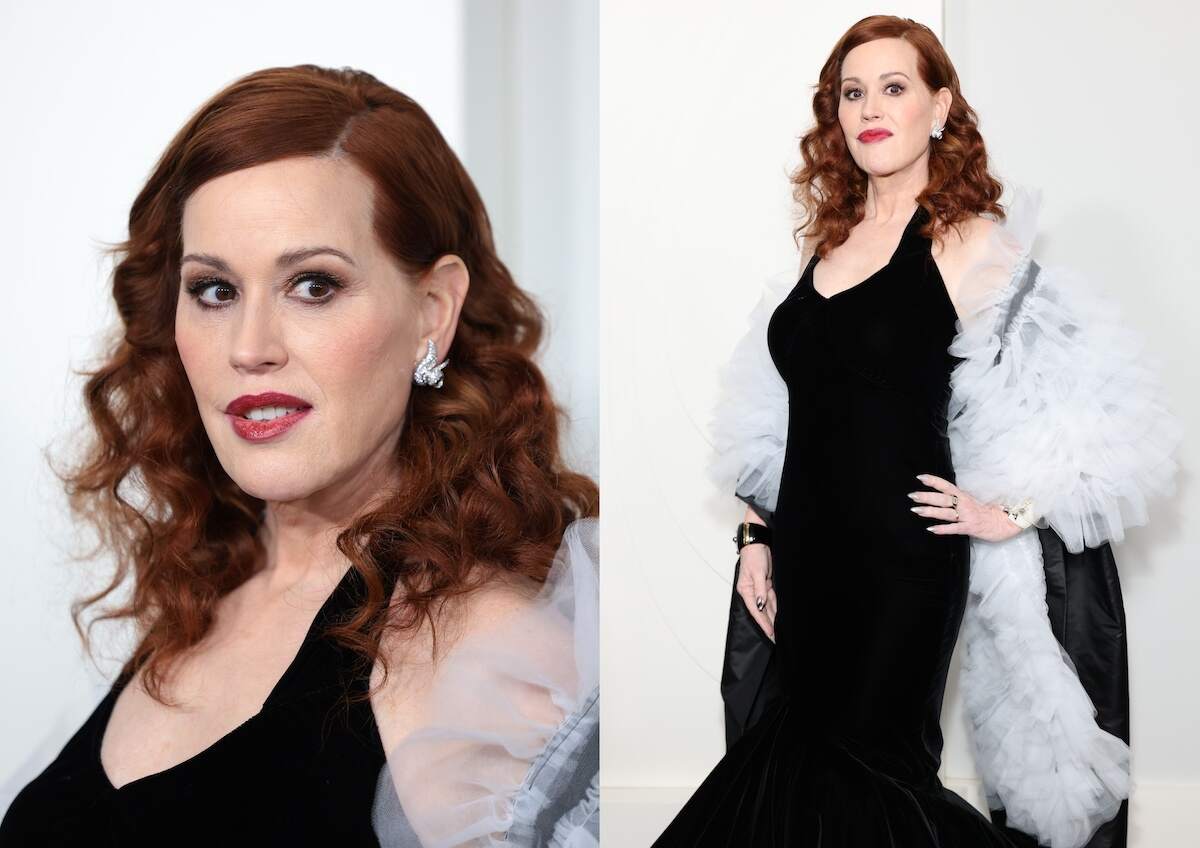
281,476
268,487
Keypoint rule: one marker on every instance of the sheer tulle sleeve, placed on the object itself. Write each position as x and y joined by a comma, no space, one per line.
504,747
1072,414
750,417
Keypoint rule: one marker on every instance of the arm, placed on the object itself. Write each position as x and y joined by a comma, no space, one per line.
500,727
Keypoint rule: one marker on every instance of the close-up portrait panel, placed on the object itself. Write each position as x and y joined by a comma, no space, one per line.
302,502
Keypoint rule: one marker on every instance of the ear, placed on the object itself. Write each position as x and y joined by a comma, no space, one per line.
941,105
441,293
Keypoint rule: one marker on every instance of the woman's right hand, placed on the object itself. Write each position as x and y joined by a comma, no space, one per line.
754,583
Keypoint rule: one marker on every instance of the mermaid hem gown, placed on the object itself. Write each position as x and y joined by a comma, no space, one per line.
870,602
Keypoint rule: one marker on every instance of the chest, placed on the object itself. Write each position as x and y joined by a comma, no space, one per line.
219,685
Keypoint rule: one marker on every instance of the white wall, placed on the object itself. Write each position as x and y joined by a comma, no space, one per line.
92,95
701,107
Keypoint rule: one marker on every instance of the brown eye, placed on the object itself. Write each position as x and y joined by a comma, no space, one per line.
315,288
217,291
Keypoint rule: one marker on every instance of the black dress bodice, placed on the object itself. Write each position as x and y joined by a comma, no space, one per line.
302,771
870,601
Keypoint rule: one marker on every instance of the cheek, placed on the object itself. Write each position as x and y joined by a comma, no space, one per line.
916,118
195,353
364,368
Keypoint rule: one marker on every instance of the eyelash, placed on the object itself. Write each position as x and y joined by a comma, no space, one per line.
196,287
900,86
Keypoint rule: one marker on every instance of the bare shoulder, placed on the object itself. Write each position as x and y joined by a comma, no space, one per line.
965,240
474,639
960,247
498,600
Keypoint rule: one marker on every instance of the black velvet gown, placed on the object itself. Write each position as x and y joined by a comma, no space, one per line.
302,771
870,602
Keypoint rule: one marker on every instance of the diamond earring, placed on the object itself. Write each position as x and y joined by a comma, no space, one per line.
428,372
936,133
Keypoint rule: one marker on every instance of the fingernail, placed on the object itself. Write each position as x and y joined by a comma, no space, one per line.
915,508
921,477
912,495
930,528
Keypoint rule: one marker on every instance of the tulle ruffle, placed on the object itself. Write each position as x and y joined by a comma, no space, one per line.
510,733
1037,747
1073,414
749,421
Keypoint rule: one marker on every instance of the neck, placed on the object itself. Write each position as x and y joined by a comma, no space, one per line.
895,195
299,537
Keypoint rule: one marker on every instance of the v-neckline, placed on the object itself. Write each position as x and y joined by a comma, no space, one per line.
310,635
811,270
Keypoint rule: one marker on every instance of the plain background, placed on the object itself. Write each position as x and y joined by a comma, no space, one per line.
702,104
93,93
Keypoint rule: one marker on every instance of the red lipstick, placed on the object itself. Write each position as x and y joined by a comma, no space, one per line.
257,431
867,136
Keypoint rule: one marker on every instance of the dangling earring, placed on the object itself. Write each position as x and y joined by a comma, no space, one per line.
427,372
936,132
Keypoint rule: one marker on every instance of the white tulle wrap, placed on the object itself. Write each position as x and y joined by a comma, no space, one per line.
1072,415
506,752
750,422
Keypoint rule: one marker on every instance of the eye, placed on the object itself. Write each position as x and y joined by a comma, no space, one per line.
319,286
219,288
848,92
895,85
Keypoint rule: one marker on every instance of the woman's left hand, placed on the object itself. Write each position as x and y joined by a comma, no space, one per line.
983,521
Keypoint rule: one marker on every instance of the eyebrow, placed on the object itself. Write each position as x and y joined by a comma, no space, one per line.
286,259
881,76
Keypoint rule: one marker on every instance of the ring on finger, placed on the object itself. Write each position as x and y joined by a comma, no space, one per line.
760,603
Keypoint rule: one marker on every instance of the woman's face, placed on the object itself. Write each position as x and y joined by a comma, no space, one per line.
284,289
885,109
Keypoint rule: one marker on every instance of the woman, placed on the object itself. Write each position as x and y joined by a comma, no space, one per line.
363,581
897,421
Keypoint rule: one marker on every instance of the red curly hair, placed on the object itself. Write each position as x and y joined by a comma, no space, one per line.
483,485
832,189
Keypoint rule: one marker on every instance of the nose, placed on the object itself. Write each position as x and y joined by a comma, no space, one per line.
870,106
257,343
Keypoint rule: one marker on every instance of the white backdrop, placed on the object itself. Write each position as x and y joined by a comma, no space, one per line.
91,96
701,107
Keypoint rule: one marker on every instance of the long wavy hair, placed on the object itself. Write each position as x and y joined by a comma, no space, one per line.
831,188
482,485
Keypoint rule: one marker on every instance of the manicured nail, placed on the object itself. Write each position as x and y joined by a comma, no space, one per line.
921,477
930,528
912,495
915,508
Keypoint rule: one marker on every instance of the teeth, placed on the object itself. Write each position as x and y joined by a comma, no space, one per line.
269,413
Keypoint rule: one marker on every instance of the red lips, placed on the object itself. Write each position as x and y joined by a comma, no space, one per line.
873,135
243,404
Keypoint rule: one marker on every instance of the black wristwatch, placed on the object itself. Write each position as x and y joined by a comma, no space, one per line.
751,532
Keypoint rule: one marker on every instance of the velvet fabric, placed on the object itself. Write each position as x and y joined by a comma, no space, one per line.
302,771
